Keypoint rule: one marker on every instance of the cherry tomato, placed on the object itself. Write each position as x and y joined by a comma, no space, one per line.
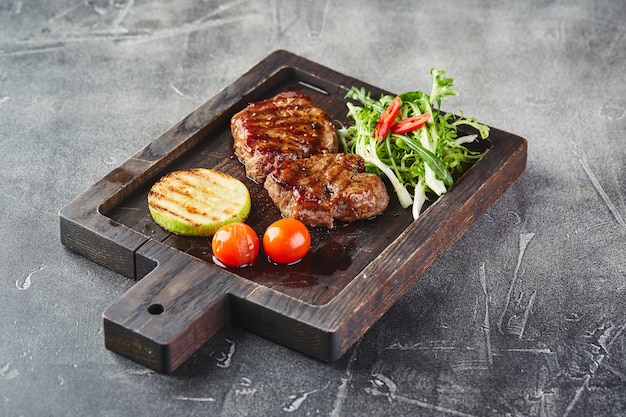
286,241
235,245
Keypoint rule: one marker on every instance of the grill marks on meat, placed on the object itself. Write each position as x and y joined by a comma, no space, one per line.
282,128
321,188
291,147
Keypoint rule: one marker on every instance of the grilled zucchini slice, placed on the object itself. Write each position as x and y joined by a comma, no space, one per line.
198,201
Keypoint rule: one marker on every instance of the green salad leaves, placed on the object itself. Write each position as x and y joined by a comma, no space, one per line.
408,140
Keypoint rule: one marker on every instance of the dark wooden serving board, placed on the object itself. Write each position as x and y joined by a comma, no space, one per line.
321,305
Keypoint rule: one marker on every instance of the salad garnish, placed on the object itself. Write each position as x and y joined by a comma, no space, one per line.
409,140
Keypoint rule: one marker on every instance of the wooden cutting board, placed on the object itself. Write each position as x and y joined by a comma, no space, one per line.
320,306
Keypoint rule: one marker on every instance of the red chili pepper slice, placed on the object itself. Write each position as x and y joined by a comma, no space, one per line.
410,124
387,119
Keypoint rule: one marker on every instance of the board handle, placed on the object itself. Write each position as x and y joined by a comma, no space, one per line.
166,316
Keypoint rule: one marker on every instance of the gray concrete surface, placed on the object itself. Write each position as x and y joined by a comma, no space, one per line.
523,316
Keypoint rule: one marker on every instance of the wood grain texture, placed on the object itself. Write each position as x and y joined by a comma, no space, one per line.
320,306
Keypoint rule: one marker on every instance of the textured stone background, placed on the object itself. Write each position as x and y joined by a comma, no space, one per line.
523,316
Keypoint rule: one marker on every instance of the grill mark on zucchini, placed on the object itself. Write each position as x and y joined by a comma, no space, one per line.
198,200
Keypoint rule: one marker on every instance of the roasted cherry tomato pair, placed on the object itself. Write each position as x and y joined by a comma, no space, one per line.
285,241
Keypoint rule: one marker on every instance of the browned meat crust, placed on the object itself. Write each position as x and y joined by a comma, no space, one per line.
321,188
284,127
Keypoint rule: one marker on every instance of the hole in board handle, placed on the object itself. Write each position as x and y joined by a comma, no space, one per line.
156,309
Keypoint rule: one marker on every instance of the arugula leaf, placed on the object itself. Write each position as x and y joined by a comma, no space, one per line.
435,163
